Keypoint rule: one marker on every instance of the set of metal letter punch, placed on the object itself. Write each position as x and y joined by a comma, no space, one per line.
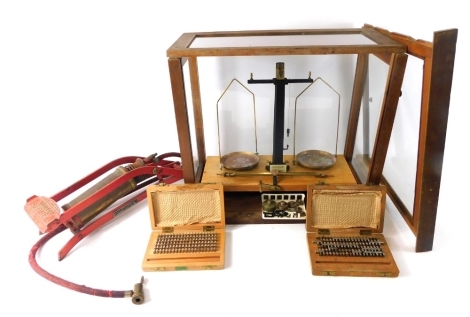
349,246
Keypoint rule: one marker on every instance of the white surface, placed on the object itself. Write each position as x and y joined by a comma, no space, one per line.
83,83
280,40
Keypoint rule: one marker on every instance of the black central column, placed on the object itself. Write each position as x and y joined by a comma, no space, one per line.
280,83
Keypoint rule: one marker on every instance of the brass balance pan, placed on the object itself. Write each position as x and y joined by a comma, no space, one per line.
239,161
316,159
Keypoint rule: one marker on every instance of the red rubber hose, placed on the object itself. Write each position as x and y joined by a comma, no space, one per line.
62,282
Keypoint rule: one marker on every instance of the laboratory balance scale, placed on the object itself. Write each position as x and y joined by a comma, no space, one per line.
249,178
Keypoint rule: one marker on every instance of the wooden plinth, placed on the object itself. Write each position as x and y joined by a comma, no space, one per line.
242,193
339,173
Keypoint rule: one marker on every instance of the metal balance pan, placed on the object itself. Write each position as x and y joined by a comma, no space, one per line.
316,159
239,161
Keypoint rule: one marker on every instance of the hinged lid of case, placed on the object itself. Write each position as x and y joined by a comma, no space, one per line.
345,208
186,206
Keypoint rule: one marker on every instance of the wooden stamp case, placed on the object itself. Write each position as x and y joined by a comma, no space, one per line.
349,211
185,209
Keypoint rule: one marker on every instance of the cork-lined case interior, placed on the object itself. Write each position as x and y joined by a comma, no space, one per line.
186,205
346,207
178,208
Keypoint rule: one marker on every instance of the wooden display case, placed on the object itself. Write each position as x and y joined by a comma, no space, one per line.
188,228
242,202
344,231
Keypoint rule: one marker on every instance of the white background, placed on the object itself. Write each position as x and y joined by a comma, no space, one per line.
85,82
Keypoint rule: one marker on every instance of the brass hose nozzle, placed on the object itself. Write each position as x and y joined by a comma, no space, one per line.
138,295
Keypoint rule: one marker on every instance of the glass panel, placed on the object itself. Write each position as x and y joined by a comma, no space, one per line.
402,155
237,119
281,40
401,160
369,116
317,114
